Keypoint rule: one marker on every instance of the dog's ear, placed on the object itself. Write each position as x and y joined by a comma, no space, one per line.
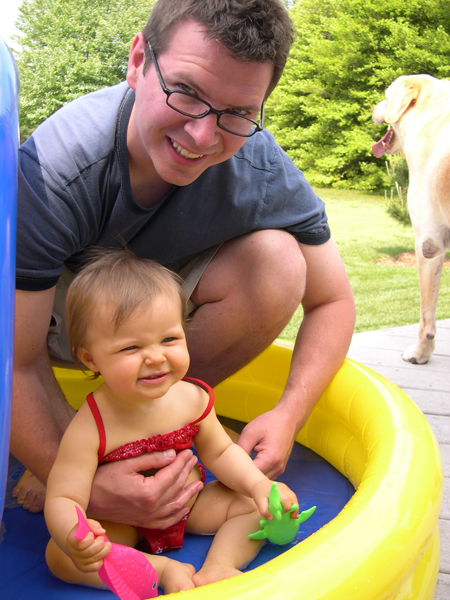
399,97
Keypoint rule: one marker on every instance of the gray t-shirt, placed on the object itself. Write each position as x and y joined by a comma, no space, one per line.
74,193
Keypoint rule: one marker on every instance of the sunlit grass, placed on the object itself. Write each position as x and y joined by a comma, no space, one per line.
385,296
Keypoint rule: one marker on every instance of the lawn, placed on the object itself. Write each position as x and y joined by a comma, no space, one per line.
385,295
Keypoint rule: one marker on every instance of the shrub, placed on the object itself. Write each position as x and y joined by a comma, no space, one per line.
396,203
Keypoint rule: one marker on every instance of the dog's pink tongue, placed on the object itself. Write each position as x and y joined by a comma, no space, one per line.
379,147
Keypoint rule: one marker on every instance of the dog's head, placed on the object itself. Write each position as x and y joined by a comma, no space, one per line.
401,96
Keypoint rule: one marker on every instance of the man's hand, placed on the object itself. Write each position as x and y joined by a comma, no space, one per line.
272,436
121,494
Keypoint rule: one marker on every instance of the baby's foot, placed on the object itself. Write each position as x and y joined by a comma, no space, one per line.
174,576
214,572
30,492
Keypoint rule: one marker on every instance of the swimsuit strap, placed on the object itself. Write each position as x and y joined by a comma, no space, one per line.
100,426
210,393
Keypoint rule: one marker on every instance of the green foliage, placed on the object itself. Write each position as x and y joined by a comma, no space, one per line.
72,47
346,53
396,204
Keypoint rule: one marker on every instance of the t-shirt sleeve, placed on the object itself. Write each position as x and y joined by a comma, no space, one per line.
282,197
297,202
68,181
50,223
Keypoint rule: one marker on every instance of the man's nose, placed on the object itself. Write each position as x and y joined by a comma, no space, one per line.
204,131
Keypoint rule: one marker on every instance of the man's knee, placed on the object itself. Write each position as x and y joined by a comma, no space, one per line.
277,264
273,247
264,269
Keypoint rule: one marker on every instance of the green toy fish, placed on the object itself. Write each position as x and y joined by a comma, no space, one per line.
282,529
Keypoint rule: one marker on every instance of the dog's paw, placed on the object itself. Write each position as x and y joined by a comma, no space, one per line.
419,353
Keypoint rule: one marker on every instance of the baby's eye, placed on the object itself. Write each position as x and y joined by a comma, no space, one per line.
129,348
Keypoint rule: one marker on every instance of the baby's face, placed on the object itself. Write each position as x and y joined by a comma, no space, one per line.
145,355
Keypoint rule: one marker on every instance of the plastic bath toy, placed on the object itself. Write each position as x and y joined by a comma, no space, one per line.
125,570
282,529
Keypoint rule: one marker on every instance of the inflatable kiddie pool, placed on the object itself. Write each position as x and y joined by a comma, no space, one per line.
385,542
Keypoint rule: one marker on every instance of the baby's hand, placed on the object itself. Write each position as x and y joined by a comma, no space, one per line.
288,498
88,554
260,495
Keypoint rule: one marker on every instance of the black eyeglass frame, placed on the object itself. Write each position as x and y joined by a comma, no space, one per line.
259,126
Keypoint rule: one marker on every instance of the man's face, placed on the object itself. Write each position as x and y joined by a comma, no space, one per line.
178,148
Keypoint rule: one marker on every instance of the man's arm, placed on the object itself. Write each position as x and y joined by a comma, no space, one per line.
321,346
40,415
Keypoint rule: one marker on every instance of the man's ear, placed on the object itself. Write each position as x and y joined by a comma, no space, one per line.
87,360
136,60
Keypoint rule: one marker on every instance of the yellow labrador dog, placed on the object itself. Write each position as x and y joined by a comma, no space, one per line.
417,109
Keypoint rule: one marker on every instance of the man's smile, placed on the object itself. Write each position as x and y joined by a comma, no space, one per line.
185,153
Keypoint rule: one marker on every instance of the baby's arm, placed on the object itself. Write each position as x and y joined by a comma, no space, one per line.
234,467
69,485
88,552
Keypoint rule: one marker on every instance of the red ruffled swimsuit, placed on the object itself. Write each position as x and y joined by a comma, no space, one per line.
159,540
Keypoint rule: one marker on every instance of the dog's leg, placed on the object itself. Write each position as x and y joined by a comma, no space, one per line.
430,254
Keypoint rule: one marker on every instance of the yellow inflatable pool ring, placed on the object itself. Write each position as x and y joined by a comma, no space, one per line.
385,542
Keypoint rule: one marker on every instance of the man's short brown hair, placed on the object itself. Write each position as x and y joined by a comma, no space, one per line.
253,30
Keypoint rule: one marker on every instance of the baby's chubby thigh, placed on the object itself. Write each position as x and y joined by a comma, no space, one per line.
194,475
216,504
127,535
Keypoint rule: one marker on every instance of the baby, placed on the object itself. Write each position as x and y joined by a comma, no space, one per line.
126,321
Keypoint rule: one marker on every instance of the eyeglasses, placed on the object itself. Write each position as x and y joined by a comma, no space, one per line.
192,106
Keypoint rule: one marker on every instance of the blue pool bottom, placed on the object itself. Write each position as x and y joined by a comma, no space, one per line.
24,536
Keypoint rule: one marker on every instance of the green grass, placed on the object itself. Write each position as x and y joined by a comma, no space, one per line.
385,296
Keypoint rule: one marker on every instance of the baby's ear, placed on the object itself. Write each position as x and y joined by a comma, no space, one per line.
86,358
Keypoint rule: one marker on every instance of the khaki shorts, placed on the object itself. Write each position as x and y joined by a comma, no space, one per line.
57,340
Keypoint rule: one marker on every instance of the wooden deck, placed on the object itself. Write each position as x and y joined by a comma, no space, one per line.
428,385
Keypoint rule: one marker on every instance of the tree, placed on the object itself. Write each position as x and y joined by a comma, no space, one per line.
345,55
71,47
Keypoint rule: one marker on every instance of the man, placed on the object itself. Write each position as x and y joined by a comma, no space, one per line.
175,164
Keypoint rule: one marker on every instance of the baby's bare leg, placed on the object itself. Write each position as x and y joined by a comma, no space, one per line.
233,517
173,576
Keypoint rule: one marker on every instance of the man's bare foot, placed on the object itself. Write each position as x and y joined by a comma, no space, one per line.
173,576
30,492
214,572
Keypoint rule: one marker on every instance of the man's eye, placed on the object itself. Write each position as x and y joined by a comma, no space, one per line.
240,112
185,88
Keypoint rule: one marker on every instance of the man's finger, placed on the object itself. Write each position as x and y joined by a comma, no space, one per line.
177,472
171,513
151,460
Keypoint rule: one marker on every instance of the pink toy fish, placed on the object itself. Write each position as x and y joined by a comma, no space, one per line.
125,570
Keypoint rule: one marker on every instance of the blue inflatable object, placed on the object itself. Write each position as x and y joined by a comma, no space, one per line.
9,143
